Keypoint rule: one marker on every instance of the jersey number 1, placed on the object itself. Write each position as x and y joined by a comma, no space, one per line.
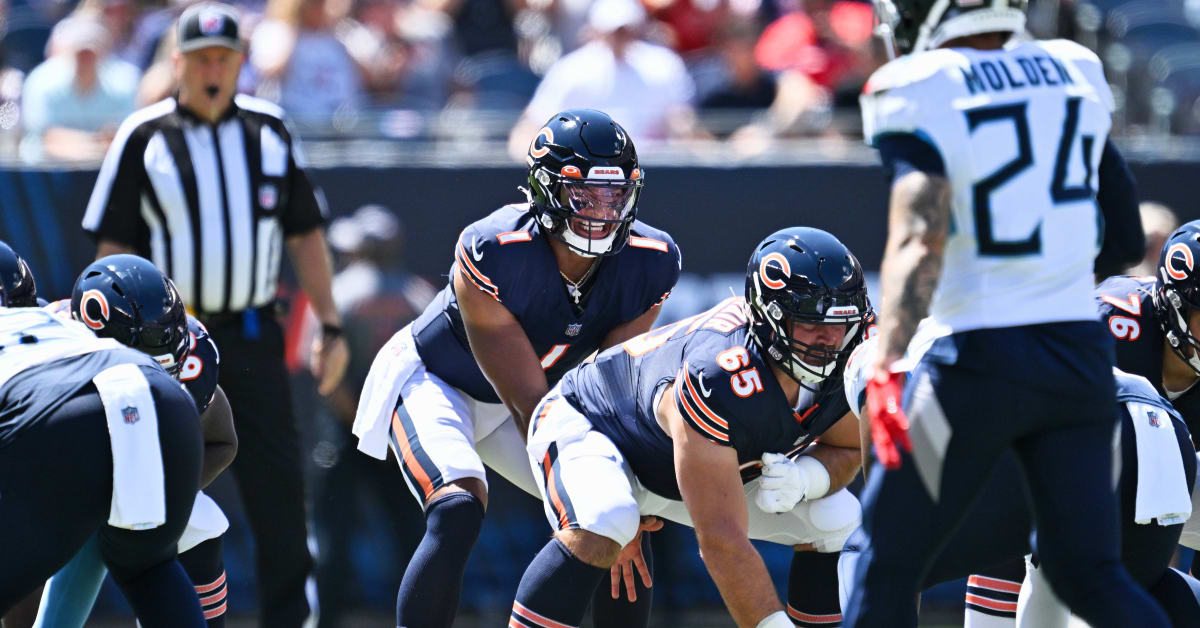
1060,192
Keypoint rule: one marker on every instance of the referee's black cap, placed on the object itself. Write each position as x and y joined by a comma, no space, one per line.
209,24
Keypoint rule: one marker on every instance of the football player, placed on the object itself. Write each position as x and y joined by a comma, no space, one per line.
17,279
994,153
1156,323
1157,475
126,298
686,412
94,439
535,288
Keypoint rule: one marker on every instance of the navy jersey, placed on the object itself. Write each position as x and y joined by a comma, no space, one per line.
724,390
44,361
508,256
199,372
1127,309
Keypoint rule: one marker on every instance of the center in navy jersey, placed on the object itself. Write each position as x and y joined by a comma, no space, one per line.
507,256
725,390
1127,310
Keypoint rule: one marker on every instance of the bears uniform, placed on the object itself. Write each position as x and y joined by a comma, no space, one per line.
68,597
427,397
506,256
727,393
604,458
200,368
75,410
1127,310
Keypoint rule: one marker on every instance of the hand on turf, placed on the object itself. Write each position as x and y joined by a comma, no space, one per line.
782,485
631,558
889,426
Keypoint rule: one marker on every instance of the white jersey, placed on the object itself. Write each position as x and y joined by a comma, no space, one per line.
1020,132
32,336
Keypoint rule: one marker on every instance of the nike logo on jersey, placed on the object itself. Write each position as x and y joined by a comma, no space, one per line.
703,389
474,251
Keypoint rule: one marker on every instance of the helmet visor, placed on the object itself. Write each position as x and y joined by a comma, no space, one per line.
598,209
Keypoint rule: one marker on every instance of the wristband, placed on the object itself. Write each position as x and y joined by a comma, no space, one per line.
330,331
778,619
817,476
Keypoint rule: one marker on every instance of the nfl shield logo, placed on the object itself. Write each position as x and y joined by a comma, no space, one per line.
131,414
210,23
574,328
1153,416
267,196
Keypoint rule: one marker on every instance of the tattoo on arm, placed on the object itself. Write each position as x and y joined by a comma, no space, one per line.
918,224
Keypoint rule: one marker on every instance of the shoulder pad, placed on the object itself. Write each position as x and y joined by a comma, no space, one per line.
489,250
201,369
1080,59
854,378
1135,388
912,69
719,382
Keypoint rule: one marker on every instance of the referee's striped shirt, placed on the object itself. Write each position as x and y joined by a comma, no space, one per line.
209,204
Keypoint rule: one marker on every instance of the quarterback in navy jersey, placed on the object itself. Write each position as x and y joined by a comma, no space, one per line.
534,289
126,298
692,411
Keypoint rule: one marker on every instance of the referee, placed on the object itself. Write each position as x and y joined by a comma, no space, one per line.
209,186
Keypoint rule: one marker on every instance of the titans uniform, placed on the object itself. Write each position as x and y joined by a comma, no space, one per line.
599,425
78,415
1018,135
1158,469
426,394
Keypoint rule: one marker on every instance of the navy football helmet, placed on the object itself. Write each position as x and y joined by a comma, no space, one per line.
805,276
17,279
584,181
1177,291
125,297
918,25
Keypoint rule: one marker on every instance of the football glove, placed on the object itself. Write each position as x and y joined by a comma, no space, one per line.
889,425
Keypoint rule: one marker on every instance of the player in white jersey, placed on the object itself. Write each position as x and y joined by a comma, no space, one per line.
994,149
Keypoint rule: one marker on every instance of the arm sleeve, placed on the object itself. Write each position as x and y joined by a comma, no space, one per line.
1124,241
697,408
114,209
306,208
903,153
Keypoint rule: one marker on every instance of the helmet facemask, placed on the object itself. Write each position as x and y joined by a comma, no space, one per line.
910,26
1175,310
592,216
773,325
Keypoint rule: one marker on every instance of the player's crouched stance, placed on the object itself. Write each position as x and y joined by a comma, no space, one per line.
686,412
94,437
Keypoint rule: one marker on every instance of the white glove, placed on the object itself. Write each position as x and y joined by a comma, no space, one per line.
782,486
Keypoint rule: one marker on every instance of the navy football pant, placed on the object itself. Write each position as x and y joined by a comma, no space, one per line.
964,418
56,492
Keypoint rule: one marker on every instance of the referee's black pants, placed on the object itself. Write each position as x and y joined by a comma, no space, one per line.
268,467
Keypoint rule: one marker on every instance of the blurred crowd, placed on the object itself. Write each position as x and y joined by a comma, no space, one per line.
742,71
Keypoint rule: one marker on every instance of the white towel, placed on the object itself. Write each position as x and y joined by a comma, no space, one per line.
139,498
207,522
392,367
1162,491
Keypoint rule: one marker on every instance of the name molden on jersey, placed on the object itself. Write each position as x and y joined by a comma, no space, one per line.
997,75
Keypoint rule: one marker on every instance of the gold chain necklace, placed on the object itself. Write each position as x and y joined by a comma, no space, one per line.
573,286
